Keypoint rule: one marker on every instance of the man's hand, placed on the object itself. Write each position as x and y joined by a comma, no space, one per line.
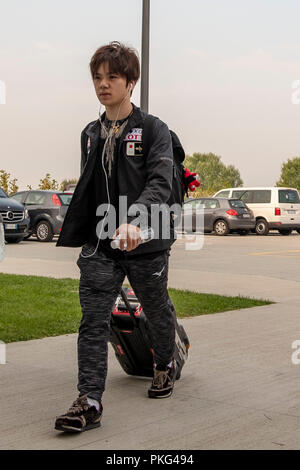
130,236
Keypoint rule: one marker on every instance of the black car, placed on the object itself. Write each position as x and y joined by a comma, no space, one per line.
47,209
219,215
15,219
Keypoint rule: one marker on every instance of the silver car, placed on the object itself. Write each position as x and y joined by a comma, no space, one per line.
219,215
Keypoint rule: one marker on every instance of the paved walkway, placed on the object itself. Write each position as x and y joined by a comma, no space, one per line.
239,388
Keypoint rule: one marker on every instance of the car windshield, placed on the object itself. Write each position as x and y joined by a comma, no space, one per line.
65,198
288,195
236,203
2,193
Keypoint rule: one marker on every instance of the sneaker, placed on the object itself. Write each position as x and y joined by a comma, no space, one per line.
80,417
163,381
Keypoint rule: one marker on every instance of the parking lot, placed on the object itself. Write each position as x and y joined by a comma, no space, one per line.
256,266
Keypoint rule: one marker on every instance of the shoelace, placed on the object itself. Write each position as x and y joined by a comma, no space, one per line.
79,405
160,376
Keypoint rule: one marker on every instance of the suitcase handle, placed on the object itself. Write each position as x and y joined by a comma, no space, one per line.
129,308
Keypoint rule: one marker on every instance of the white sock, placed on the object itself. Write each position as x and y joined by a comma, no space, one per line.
93,402
169,365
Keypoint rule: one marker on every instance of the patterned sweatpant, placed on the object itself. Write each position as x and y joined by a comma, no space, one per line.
101,280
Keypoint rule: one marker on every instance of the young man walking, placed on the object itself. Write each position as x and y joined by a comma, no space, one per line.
113,166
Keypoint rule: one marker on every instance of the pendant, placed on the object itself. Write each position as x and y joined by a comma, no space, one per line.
116,128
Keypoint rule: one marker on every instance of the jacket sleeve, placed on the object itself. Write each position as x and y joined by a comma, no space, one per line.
159,166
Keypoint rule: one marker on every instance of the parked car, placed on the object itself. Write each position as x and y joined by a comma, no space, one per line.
47,209
15,219
2,243
273,207
70,188
220,215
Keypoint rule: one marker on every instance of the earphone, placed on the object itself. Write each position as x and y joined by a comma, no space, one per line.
107,192
111,130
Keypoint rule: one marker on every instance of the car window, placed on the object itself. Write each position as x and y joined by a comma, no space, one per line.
17,197
198,204
65,199
261,196
36,198
238,193
2,193
223,194
211,204
189,205
237,203
244,195
288,195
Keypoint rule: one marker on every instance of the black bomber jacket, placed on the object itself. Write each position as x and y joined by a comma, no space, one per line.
145,179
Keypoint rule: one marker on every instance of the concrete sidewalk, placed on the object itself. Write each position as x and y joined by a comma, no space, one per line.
239,390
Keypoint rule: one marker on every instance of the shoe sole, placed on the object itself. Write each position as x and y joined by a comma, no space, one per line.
159,396
74,430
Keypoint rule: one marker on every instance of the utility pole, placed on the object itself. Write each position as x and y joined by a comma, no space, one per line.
145,56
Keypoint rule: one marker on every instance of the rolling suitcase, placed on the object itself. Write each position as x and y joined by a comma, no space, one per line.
131,338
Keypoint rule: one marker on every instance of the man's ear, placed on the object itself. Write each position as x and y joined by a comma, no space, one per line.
132,86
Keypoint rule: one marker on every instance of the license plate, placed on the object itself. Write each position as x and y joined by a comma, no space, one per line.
246,216
11,226
291,212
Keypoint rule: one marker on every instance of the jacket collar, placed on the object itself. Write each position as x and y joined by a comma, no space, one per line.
137,117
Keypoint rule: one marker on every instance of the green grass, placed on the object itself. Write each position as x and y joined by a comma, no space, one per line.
33,307
191,304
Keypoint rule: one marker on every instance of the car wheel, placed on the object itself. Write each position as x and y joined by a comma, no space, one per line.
285,231
44,232
13,240
221,228
298,230
244,232
262,227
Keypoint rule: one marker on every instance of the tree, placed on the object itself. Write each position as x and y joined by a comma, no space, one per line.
290,173
65,183
13,187
4,180
213,174
8,185
46,183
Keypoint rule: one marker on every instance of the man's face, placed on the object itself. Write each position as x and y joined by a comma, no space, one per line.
110,87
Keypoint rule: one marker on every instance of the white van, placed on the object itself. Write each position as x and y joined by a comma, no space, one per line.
274,208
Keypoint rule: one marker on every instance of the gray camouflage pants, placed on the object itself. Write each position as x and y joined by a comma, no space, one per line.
100,282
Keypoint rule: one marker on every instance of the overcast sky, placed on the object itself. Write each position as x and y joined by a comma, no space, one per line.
221,75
